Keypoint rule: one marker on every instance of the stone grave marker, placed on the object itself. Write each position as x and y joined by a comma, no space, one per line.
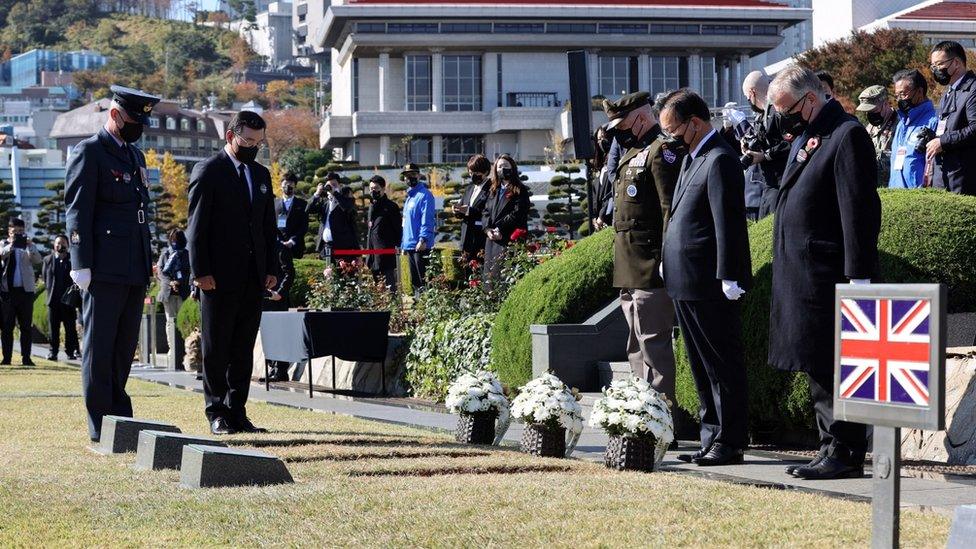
164,450
212,466
121,434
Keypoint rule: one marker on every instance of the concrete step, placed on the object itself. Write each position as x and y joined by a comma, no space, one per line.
587,402
612,371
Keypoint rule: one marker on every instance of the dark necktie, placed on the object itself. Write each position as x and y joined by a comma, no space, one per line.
11,265
247,188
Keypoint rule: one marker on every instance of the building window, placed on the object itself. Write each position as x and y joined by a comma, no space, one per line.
618,75
370,27
411,28
459,148
571,28
623,28
201,126
419,150
765,30
668,73
462,82
725,29
184,124
671,28
708,80
154,122
466,27
355,151
519,28
419,85
499,80
301,18
355,84
170,123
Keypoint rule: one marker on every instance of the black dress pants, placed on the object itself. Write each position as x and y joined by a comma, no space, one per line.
418,269
59,315
842,440
230,316
712,331
18,309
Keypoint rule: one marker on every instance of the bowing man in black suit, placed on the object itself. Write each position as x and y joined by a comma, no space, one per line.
292,219
827,223
232,239
507,210
471,207
706,268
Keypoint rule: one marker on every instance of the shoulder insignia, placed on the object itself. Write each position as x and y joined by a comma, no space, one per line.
669,156
75,238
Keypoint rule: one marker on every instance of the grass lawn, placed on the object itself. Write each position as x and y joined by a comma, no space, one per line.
360,483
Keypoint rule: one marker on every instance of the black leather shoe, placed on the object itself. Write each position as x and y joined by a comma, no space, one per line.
694,457
829,468
28,362
791,469
720,454
5,362
52,356
244,425
74,355
220,426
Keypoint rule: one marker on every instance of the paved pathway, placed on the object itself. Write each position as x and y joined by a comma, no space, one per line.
759,469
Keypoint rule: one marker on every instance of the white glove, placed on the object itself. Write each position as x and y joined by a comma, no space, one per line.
732,290
860,281
82,278
660,269
734,116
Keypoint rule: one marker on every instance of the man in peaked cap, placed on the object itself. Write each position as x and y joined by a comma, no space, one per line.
881,127
107,198
645,179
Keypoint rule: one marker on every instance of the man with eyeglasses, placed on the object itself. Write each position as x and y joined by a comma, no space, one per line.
954,147
233,258
826,233
917,123
107,198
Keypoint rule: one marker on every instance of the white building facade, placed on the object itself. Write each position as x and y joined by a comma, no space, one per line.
438,81
270,36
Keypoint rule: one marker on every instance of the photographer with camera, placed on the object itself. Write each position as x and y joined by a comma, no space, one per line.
917,122
337,214
763,143
19,255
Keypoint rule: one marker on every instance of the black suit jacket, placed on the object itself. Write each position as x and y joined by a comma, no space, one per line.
472,229
385,230
342,222
706,241
104,193
296,223
506,213
827,224
57,277
957,162
226,232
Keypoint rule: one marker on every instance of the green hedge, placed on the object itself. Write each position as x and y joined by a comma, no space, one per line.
565,289
305,270
926,236
39,313
188,318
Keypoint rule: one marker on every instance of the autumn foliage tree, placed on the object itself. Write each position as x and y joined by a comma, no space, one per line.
291,128
172,199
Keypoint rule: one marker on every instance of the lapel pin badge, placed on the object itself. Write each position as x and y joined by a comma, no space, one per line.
801,155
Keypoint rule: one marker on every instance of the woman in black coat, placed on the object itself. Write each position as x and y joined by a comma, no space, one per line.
507,209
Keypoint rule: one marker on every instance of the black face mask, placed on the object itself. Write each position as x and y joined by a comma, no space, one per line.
941,76
376,195
289,191
792,122
626,139
246,154
130,132
605,145
905,105
507,174
755,108
875,118
60,249
412,181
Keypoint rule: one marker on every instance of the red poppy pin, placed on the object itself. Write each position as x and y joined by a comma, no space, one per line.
813,143
116,174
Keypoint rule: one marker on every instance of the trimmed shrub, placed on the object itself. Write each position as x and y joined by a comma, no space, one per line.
305,270
188,318
39,314
567,288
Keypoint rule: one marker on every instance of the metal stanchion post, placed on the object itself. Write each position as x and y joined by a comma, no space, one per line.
152,332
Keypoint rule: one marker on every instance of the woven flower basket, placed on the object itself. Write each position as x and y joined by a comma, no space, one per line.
476,428
630,453
543,441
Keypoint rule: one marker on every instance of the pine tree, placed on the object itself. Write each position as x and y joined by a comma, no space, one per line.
9,207
50,219
570,213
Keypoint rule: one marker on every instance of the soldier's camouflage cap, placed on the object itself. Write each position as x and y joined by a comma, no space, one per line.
871,97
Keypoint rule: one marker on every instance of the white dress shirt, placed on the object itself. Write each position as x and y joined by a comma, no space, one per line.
701,143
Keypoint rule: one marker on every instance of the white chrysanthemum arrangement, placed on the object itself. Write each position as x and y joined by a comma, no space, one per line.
632,408
547,401
480,392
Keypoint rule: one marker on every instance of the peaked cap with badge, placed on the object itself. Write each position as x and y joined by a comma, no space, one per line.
136,103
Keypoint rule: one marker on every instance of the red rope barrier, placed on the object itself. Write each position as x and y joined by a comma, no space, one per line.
381,251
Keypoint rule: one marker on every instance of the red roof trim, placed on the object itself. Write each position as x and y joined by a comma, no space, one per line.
943,11
615,3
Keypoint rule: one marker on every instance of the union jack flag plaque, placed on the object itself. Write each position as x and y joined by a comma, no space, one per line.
889,354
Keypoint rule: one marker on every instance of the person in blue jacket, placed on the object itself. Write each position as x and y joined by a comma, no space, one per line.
915,113
418,225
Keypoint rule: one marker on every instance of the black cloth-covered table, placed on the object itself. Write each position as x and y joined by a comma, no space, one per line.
295,336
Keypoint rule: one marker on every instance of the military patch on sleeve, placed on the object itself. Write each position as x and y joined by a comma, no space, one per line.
75,239
631,191
669,156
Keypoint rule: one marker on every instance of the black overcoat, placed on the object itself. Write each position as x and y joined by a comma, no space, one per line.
505,211
826,232
957,163
385,226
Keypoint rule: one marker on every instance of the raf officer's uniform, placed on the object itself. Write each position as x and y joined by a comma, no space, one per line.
644,184
107,203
